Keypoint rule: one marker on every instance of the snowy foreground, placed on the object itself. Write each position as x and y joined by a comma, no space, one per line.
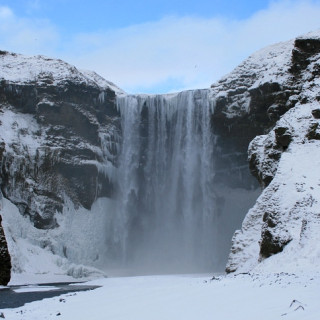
245,296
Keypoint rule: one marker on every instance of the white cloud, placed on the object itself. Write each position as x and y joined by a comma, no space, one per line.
183,52
5,13
33,5
144,55
189,52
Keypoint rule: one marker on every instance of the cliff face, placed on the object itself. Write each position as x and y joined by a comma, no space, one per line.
280,232
58,146
5,259
250,100
55,121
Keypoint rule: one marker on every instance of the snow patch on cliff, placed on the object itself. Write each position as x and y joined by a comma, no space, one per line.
269,64
20,129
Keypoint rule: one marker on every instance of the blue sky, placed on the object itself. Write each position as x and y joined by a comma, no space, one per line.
86,16
153,46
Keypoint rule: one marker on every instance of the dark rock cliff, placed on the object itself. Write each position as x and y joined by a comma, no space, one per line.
248,103
59,130
250,100
5,259
70,120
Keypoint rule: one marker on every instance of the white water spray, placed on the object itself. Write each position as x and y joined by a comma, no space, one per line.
165,218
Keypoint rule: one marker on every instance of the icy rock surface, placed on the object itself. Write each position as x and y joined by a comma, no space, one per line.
58,146
5,259
57,125
281,232
248,103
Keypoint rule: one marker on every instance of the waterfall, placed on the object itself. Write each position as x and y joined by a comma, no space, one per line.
165,218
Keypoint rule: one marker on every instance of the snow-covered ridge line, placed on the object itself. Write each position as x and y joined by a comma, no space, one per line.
311,35
266,65
265,72
22,69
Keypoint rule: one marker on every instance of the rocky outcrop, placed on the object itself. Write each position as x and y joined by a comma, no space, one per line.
59,131
248,103
5,259
63,125
283,221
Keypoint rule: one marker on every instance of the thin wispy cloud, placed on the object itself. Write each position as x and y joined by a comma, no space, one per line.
33,5
170,54
5,13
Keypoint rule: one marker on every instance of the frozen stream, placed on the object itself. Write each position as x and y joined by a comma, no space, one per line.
17,296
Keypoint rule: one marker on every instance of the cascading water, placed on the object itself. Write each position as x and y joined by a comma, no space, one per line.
165,216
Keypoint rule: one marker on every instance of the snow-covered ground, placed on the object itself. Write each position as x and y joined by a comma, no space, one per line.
245,296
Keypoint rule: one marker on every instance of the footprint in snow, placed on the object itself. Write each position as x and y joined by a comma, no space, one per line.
295,305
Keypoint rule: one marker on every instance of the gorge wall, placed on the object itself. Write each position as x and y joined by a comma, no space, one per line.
76,180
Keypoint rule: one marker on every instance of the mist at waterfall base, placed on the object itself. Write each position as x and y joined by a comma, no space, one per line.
170,217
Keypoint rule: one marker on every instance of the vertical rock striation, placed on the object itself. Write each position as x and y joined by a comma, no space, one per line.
5,259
